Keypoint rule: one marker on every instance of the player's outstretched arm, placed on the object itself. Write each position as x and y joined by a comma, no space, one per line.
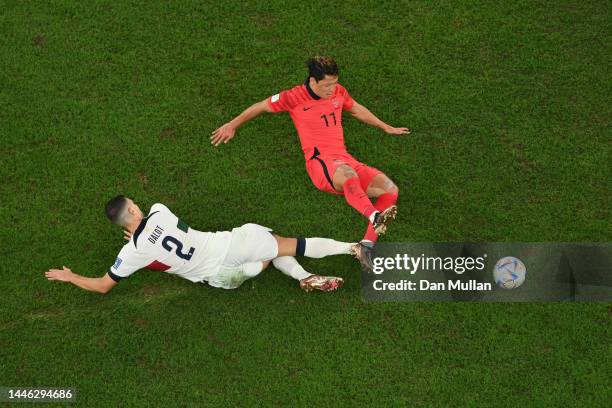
227,132
363,114
101,285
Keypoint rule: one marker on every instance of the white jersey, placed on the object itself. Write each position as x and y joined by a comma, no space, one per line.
163,242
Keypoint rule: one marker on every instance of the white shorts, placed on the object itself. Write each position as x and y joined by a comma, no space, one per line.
251,245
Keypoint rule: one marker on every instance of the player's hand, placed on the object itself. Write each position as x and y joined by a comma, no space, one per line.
62,275
397,131
223,134
127,235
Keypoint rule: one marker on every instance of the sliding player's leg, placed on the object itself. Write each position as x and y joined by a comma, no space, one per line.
346,180
334,174
252,247
308,281
359,182
312,247
381,187
322,247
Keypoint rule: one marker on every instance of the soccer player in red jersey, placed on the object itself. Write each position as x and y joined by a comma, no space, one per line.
316,110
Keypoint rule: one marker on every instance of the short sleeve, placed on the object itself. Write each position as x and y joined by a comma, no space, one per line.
158,207
128,261
348,101
282,101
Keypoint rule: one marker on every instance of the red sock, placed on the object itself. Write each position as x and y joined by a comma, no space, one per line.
357,198
384,201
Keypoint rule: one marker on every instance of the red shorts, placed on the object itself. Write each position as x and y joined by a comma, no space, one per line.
321,169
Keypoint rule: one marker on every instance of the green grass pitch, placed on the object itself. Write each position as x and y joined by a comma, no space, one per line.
509,103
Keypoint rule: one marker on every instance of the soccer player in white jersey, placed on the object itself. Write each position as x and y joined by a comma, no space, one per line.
161,241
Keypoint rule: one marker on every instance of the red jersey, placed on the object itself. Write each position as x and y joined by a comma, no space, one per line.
318,121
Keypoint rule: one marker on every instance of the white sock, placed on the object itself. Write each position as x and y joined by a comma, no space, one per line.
372,216
290,267
322,247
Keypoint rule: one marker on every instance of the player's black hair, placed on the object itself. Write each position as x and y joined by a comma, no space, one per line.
319,66
115,207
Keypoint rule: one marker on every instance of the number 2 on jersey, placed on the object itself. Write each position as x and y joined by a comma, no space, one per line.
179,247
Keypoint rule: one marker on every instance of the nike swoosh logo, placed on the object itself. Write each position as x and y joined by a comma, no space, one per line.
306,108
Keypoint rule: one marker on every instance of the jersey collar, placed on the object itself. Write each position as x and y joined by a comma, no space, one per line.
310,91
141,227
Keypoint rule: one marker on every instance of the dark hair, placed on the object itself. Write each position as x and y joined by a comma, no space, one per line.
319,66
115,207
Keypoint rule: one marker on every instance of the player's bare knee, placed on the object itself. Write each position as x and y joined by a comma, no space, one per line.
286,246
347,172
390,187
264,265
387,185
342,175
280,241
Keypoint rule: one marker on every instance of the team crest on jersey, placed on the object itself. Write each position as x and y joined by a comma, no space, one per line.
336,104
117,263
275,98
